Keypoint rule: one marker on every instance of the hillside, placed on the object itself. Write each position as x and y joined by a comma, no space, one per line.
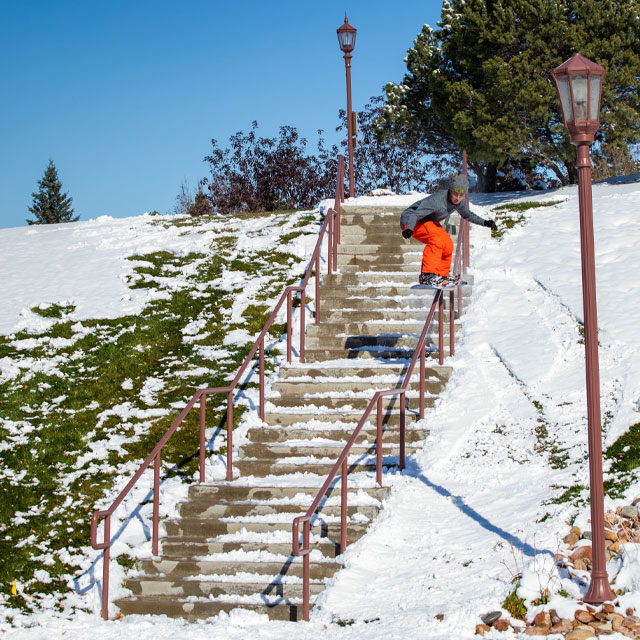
498,485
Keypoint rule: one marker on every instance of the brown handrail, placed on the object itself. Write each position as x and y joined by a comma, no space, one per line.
342,461
331,226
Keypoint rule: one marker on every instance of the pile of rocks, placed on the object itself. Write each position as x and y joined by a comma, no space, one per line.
621,526
589,622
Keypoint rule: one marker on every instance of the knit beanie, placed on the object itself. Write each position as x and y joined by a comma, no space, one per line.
459,183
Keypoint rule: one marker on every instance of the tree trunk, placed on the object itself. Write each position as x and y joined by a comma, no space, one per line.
487,175
572,172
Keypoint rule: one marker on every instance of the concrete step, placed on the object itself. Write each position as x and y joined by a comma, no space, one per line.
337,403
261,467
310,371
201,588
232,492
317,354
391,434
198,546
392,252
202,528
416,314
295,387
372,328
281,451
184,567
402,291
281,416
386,341
202,510
335,301
192,610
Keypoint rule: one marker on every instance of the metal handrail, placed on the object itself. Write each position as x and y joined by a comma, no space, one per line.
331,226
341,462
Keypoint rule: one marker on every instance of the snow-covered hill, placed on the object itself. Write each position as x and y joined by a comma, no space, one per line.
483,501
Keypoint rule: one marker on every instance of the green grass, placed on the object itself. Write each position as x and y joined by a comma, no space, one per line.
505,220
515,605
62,401
624,454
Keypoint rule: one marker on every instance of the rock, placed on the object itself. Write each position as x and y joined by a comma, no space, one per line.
580,564
629,511
607,607
555,618
584,616
580,634
587,535
481,629
440,616
616,620
491,617
573,536
615,547
501,625
630,611
604,630
562,626
610,535
631,621
537,631
543,619
582,553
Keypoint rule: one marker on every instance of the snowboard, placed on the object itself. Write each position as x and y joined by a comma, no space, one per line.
448,287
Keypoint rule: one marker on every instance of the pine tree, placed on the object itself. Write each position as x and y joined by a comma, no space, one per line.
481,81
50,205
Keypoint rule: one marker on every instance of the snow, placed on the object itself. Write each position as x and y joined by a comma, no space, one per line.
473,508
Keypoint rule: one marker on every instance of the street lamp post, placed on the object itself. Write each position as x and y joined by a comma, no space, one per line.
347,39
579,85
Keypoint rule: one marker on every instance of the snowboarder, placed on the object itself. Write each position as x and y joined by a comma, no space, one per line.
422,221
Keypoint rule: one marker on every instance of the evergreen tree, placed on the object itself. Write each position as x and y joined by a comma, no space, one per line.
50,205
482,81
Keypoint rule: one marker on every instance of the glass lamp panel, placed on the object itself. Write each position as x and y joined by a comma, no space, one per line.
565,97
595,82
580,95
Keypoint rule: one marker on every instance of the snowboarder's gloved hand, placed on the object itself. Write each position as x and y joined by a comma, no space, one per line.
491,224
407,233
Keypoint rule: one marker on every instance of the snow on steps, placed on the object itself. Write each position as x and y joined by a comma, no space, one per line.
231,544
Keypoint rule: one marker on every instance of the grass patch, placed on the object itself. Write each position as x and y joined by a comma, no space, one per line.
624,454
515,605
117,385
505,220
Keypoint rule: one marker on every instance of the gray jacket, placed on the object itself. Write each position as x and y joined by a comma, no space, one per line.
436,208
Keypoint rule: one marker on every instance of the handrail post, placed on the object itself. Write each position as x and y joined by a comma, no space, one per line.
261,375
336,230
156,504
303,298
318,288
106,557
440,328
289,326
379,443
306,527
230,436
422,378
343,506
330,244
203,414
451,323
402,429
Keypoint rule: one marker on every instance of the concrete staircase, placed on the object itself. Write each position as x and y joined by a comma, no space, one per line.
231,545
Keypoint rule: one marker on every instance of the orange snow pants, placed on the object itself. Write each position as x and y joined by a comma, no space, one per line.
436,257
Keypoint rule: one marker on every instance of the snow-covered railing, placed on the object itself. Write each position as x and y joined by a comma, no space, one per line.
330,228
341,464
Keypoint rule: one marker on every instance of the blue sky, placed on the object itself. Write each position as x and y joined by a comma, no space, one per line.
125,97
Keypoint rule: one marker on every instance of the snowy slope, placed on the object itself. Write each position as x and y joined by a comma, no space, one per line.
474,507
